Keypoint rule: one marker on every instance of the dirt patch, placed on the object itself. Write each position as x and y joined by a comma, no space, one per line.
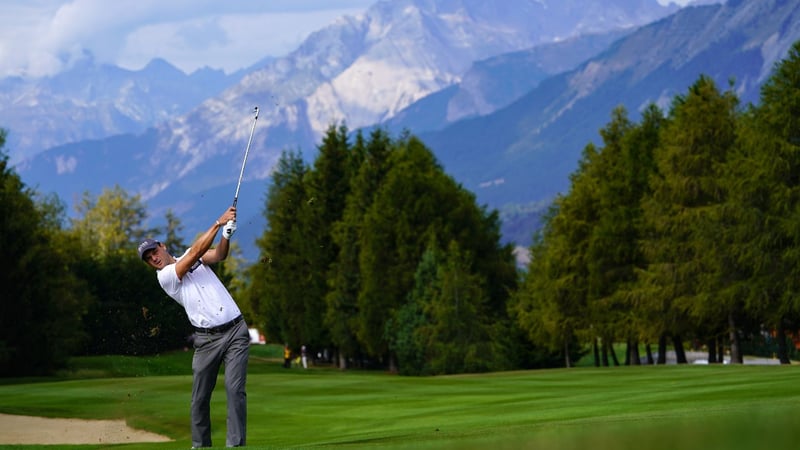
44,431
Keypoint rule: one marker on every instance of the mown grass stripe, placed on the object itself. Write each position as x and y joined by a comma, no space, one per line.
664,407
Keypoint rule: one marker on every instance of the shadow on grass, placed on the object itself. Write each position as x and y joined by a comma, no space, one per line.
775,429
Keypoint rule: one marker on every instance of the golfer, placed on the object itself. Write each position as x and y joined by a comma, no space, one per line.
221,334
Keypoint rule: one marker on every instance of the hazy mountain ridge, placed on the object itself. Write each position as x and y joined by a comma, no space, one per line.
524,153
496,82
91,101
324,80
364,69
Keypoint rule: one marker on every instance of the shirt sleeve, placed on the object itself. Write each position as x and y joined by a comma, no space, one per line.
168,279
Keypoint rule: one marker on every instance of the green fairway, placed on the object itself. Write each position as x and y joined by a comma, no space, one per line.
663,407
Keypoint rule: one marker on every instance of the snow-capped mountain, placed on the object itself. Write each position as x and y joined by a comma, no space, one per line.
362,70
365,69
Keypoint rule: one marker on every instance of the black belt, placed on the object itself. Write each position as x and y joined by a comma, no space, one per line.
220,329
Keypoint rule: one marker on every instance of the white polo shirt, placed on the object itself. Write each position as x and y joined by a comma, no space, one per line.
205,299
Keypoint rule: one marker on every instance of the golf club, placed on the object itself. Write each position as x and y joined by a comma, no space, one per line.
246,151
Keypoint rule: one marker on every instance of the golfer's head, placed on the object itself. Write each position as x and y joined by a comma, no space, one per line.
153,253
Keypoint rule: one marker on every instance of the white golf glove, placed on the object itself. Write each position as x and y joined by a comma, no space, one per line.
228,229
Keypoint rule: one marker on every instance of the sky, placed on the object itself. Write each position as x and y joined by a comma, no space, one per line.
43,37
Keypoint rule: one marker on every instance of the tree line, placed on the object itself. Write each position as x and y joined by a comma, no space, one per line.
74,286
680,229
378,256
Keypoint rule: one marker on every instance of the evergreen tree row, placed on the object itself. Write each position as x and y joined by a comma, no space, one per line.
377,257
682,227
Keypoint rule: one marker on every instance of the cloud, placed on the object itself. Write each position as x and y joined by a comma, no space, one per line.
41,37
203,33
65,164
230,41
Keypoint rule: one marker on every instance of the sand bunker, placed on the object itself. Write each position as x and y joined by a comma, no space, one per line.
43,431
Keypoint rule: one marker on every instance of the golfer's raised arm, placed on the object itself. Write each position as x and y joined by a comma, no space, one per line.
220,252
200,248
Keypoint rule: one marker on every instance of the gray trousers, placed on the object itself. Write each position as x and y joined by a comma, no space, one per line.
210,351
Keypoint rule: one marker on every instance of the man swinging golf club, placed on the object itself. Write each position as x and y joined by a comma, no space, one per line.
221,334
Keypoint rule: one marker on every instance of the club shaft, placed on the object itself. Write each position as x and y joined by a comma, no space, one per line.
244,161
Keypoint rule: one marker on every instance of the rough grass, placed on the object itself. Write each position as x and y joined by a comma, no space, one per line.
663,407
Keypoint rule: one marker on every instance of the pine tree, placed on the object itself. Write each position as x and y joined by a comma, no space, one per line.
551,304
762,177
396,228
327,187
459,334
417,203
405,331
369,160
281,276
688,261
621,172
174,234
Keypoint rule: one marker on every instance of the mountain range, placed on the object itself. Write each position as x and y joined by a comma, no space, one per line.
506,96
91,101
520,157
